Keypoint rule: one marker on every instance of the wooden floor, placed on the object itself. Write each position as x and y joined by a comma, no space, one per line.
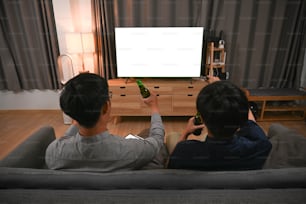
16,126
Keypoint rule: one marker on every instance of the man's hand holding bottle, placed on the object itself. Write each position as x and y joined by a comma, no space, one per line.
190,128
148,97
152,102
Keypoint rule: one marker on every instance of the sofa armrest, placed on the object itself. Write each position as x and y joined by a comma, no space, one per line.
276,129
288,148
31,152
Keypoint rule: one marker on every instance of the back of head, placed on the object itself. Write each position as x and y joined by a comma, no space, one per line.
223,107
83,98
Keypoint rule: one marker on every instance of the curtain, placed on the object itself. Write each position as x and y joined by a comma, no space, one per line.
29,45
103,29
292,46
265,39
152,13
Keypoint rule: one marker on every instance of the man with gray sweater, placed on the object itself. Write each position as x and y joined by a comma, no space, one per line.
88,146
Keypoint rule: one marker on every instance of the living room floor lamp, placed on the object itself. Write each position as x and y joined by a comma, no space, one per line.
81,44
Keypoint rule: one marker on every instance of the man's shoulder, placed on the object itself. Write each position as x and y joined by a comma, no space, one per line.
61,141
189,146
250,123
66,138
192,142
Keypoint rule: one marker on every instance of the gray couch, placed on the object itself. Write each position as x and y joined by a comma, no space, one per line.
24,179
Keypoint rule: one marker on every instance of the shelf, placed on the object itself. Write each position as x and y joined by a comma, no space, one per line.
216,49
285,108
288,115
279,104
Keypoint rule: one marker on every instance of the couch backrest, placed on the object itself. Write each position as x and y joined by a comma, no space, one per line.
25,178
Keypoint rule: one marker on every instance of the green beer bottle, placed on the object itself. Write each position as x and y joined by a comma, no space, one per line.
143,90
197,121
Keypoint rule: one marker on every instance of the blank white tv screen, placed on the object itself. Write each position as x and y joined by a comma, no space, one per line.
159,51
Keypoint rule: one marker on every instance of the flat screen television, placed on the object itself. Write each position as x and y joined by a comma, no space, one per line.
159,51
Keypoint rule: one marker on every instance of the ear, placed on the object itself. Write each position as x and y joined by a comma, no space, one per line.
74,122
106,107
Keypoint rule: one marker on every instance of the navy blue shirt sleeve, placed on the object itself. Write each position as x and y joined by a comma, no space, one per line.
252,131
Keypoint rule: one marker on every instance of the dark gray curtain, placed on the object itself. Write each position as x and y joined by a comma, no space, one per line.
103,26
265,39
29,46
292,44
158,13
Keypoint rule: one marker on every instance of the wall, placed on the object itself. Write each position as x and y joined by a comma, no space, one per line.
29,100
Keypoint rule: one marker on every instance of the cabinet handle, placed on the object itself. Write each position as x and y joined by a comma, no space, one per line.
156,87
189,94
190,87
122,95
122,87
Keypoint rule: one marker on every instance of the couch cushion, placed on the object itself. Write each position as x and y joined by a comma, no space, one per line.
31,152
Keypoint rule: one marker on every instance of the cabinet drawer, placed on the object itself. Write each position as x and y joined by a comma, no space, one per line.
133,105
161,90
127,105
128,90
134,90
165,104
184,104
188,89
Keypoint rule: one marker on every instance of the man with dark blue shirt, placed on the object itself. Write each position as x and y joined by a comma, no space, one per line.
234,140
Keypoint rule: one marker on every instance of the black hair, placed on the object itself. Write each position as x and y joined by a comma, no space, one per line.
223,107
83,98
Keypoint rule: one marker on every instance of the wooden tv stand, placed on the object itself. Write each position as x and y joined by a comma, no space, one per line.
176,97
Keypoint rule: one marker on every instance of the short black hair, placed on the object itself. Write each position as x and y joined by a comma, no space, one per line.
223,107
83,98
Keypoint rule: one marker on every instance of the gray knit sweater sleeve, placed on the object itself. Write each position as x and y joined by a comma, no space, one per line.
157,130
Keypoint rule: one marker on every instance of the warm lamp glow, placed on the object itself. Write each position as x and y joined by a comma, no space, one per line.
74,43
80,43
88,42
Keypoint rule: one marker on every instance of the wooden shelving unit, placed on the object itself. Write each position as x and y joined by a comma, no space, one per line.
215,59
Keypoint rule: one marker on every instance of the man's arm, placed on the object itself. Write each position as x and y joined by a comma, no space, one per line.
157,129
152,103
